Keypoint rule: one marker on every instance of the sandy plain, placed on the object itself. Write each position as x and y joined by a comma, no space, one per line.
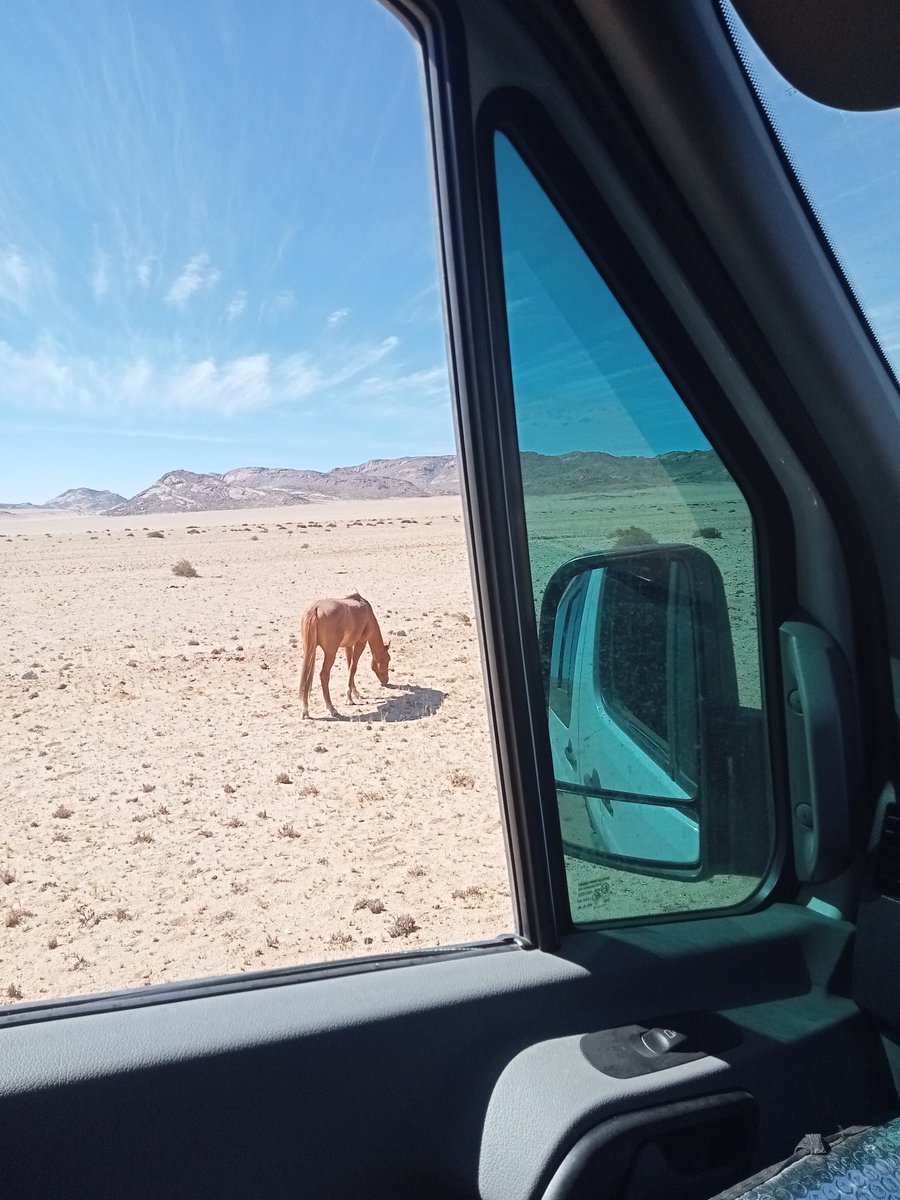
146,720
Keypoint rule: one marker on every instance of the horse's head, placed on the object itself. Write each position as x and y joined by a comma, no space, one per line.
381,663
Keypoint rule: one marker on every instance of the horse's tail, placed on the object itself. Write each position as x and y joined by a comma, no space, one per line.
309,637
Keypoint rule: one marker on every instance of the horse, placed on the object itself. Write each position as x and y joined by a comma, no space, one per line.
331,624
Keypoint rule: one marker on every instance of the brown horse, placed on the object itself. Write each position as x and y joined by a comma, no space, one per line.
332,624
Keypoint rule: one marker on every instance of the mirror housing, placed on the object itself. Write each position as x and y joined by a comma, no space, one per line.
659,769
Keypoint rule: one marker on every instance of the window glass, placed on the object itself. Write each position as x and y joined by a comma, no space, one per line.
848,165
223,398
565,642
654,694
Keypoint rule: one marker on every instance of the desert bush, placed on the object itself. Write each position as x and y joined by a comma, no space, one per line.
633,536
183,567
707,531
402,926
156,533
473,892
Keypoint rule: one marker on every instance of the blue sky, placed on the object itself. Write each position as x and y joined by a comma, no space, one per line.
216,242
217,250
849,165
582,376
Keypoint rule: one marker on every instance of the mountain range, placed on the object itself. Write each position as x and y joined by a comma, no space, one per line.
381,478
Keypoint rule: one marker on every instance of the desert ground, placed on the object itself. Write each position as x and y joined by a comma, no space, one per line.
166,812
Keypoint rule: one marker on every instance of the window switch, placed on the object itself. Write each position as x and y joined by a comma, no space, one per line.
660,1041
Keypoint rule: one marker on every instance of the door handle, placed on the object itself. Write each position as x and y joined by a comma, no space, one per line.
570,755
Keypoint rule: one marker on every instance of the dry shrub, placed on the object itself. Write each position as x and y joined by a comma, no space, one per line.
183,567
14,992
282,777
473,892
87,918
308,789
148,787
156,533
287,830
633,536
229,789
416,872
707,531
7,875
375,906
143,838
462,779
62,812
402,926
341,939
235,822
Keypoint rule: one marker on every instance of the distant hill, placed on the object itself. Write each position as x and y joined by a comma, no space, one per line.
85,500
268,487
381,478
593,471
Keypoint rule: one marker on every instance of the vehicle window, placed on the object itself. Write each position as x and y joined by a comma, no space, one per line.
565,644
637,625
848,166
626,501
224,399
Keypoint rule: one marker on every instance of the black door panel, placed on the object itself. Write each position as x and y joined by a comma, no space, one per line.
437,1079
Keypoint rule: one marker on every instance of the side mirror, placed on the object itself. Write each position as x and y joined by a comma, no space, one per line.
659,769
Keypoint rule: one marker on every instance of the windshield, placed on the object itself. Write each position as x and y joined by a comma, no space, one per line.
848,165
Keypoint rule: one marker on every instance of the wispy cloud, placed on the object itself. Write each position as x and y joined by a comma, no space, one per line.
165,435
50,379
197,273
144,270
236,305
282,301
16,277
337,317
100,275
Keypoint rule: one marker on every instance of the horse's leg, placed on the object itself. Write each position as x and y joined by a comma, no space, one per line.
353,657
324,675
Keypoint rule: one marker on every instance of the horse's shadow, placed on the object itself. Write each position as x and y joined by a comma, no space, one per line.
411,705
